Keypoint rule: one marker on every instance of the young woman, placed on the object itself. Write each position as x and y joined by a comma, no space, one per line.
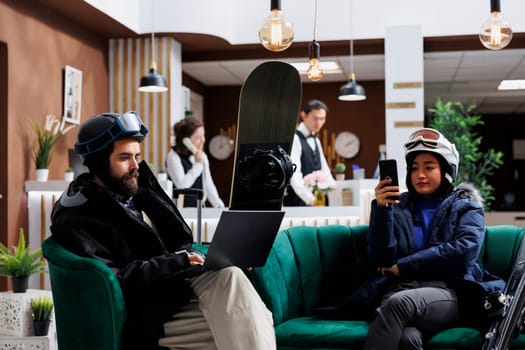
426,241
187,165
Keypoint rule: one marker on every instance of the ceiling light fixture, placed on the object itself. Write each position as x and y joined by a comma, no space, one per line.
495,32
518,84
153,81
314,72
352,91
276,33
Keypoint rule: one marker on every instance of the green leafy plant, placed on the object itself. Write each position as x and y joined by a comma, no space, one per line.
21,262
46,137
69,170
46,140
340,168
458,124
162,170
42,308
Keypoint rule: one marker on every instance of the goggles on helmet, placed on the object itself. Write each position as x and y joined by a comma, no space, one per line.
428,138
126,124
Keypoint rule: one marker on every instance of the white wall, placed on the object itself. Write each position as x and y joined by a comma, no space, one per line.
238,21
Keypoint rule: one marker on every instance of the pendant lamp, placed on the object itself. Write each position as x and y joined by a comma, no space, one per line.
276,33
495,32
153,81
351,91
314,72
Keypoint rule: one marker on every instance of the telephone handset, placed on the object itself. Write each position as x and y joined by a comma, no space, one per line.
187,142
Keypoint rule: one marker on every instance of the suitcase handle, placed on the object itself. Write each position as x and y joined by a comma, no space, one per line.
191,191
200,194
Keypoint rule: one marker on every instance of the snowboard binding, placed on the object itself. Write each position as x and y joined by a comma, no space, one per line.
266,170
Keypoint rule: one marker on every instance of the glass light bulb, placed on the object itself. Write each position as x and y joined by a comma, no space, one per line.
276,33
314,72
495,32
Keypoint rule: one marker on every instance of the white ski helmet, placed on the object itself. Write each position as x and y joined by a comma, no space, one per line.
431,140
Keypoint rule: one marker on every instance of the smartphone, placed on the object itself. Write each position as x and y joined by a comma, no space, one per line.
187,142
388,169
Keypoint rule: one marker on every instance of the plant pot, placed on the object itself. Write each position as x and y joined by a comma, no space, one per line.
41,327
347,197
162,176
42,174
19,284
340,176
69,176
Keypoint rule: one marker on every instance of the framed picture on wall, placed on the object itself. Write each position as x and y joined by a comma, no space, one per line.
72,94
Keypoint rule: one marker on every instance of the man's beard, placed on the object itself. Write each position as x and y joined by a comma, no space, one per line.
126,185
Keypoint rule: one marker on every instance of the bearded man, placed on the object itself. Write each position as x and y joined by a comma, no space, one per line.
102,215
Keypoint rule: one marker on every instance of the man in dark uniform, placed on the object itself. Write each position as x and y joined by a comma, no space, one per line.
307,154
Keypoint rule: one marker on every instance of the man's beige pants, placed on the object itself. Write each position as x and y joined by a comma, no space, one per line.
228,314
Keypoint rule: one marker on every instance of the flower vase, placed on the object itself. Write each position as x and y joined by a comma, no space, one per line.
319,198
42,174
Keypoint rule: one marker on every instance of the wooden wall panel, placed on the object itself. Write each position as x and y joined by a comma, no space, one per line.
130,59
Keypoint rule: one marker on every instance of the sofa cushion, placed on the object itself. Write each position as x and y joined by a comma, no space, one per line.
499,249
311,332
312,266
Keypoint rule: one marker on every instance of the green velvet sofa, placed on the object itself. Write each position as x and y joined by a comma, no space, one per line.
312,266
89,306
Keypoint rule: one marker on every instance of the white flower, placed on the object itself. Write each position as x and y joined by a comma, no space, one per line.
319,180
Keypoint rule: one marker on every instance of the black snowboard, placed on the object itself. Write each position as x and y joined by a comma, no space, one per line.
268,111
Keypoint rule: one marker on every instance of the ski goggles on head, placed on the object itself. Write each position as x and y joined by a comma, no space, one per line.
427,137
124,125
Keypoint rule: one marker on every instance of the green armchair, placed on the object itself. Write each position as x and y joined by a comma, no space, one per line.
312,266
89,306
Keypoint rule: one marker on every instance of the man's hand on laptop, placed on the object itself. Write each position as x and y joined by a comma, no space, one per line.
195,259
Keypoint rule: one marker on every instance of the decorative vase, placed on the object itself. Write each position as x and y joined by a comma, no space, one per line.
319,198
19,284
41,327
42,174
69,176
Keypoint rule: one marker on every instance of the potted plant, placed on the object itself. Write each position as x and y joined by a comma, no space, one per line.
69,175
458,124
41,310
162,175
340,169
46,137
20,263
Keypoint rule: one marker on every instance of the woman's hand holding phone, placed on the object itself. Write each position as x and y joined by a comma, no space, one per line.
197,153
387,191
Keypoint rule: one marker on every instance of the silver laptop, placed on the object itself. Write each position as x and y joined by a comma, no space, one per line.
243,238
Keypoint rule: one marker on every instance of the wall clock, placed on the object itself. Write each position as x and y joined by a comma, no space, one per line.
346,144
221,146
